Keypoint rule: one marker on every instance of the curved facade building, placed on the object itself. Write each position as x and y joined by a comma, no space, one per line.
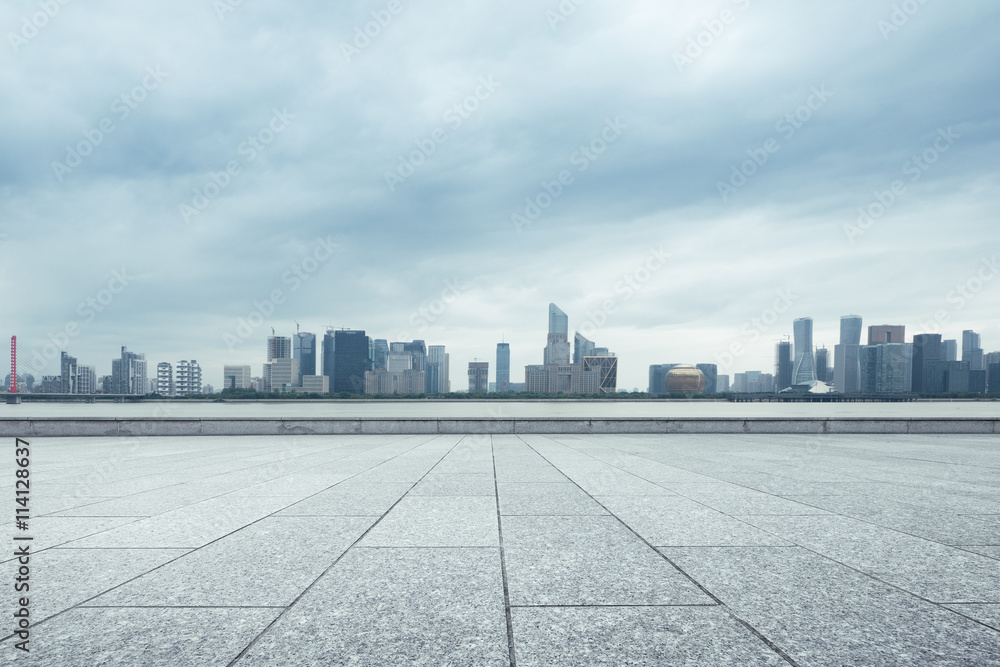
805,361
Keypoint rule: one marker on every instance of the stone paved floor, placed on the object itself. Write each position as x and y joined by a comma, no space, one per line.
541,550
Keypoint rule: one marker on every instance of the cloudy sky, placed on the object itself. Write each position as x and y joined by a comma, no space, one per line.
666,172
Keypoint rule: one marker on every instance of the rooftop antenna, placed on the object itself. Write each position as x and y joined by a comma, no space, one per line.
296,326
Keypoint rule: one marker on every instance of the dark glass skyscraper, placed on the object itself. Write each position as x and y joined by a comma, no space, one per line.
928,368
346,360
783,365
304,349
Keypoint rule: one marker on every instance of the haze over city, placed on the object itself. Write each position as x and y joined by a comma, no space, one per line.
843,155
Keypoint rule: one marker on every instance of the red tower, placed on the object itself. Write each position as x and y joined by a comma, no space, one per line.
13,364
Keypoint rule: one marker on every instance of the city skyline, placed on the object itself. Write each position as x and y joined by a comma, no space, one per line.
416,190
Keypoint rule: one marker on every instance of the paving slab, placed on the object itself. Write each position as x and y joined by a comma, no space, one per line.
350,499
552,499
430,607
588,561
148,637
437,521
267,563
822,613
636,636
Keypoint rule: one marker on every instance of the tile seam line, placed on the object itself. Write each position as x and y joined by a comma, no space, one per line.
80,604
767,642
308,588
511,651
940,605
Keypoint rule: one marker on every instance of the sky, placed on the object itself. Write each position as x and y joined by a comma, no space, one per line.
683,179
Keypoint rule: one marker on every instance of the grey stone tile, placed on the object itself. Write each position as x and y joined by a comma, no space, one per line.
148,503
438,521
992,552
546,499
737,500
148,637
370,499
431,606
456,484
268,563
932,524
639,636
613,482
67,577
984,613
823,613
588,561
934,571
192,526
676,521
50,531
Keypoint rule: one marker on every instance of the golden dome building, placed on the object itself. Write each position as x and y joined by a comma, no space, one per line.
684,379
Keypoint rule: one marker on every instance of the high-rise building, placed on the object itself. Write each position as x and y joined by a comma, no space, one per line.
847,356
557,348
86,380
949,350
722,384
886,368
557,374
972,351
607,366
380,353
993,378
164,379
479,377
279,347
503,367
384,383
711,373
558,321
437,370
783,365
235,377
822,365
67,365
129,373
187,378
928,367
304,349
582,348
886,333
350,361
805,361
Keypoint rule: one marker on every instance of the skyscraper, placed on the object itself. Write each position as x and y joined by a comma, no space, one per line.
711,373
503,367
437,370
657,377
380,353
279,347
805,362
847,356
822,363
972,351
479,377
235,377
582,348
67,365
886,368
558,321
886,333
305,352
128,373
350,361
783,365
557,348
949,350
928,367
